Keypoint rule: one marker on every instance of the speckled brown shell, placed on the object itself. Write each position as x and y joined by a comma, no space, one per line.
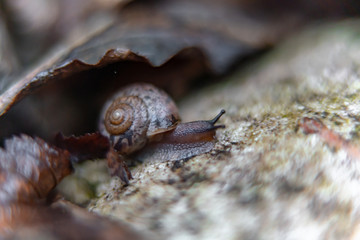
135,114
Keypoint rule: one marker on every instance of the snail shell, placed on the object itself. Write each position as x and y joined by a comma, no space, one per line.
135,114
141,114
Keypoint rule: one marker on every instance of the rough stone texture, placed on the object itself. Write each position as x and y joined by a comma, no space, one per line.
265,179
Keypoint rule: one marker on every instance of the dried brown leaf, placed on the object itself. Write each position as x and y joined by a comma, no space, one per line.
86,147
31,167
168,51
61,221
14,188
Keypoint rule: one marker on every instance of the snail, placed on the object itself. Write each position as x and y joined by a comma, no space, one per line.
143,121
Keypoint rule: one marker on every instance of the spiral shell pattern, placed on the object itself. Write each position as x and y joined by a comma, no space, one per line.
135,114
126,122
119,116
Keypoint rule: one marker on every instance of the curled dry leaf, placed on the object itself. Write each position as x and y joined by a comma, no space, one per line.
169,51
29,169
88,146
59,222
39,167
136,39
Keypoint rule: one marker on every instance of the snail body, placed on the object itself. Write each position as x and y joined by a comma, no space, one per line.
141,116
185,141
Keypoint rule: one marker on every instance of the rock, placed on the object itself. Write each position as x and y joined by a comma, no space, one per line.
268,177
